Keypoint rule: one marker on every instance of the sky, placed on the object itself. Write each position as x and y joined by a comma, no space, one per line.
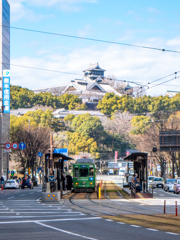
152,23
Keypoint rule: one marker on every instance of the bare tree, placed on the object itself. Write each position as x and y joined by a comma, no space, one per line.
36,139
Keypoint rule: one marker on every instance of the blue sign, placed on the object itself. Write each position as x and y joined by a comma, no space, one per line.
6,91
61,150
22,146
40,154
91,179
51,178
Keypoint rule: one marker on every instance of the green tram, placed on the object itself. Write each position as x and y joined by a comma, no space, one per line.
84,175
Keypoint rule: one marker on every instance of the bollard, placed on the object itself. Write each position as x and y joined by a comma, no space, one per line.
164,206
99,192
176,208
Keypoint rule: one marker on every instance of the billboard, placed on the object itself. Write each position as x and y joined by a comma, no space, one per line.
6,91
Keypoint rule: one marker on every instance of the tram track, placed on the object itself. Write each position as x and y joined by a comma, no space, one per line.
121,216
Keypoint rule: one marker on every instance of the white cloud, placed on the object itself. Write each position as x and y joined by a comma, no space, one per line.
19,8
132,64
174,42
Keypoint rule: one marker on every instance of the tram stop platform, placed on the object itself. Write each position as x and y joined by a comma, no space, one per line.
138,195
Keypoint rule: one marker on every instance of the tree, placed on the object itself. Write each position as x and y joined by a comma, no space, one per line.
140,124
35,137
69,101
46,119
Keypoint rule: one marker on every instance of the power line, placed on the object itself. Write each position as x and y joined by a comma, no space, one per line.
92,39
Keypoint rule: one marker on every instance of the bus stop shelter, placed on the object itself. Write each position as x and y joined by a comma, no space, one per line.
58,167
140,167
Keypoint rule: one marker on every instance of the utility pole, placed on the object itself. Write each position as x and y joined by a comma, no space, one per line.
51,154
1,174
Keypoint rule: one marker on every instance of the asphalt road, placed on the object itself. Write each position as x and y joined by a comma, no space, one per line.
24,216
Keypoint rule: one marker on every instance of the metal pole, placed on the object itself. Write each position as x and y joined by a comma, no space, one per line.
7,166
164,206
51,154
176,208
1,174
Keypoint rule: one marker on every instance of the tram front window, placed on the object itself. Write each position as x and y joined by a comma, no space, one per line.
76,172
83,172
91,172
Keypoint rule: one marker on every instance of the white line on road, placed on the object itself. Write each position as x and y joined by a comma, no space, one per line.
53,220
135,226
32,193
61,230
10,197
120,222
109,220
150,229
22,195
172,233
161,195
41,216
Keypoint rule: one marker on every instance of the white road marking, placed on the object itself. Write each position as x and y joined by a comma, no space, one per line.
44,212
109,220
172,233
120,222
150,229
61,230
135,226
53,220
10,197
22,195
41,216
32,193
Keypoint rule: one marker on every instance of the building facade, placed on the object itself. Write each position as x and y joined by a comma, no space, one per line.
4,65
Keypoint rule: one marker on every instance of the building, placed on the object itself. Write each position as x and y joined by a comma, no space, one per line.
91,88
171,93
4,65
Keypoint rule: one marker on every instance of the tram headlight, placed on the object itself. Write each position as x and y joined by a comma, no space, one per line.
76,183
91,183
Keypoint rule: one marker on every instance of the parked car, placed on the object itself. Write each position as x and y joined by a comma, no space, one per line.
158,182
177,186
26,183
11,184
169,184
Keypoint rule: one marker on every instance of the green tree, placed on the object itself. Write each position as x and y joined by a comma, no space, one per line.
140,124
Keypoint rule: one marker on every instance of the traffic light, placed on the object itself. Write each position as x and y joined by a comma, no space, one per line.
12,173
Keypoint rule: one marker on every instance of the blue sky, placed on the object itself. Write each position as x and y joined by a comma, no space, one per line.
148,23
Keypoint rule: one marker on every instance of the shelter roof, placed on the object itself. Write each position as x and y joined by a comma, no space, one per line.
133,156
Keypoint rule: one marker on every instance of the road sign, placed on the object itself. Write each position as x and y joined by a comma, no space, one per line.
51,178
7,150
40,154
22,146
7,145
15,145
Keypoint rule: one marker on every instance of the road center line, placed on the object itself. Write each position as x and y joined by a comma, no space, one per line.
10,197
61,230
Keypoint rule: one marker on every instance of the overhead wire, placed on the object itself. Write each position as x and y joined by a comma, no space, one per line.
91,39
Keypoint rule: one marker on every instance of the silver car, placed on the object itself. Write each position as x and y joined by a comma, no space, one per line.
169,185
158,182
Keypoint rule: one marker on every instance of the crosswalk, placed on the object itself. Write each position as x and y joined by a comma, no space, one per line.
35,210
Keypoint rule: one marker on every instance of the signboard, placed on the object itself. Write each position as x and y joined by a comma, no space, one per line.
158,168
61,150
51,178
6,91
7,150
116,156
22,146
15,146
7,145
40,154
110,171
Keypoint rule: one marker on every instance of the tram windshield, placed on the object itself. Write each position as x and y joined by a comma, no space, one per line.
91,172
76,172
83,172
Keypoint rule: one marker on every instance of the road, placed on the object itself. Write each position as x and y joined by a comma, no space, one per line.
24,216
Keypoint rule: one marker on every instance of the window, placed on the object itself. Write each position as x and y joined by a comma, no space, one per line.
83,172
91,172
76,172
